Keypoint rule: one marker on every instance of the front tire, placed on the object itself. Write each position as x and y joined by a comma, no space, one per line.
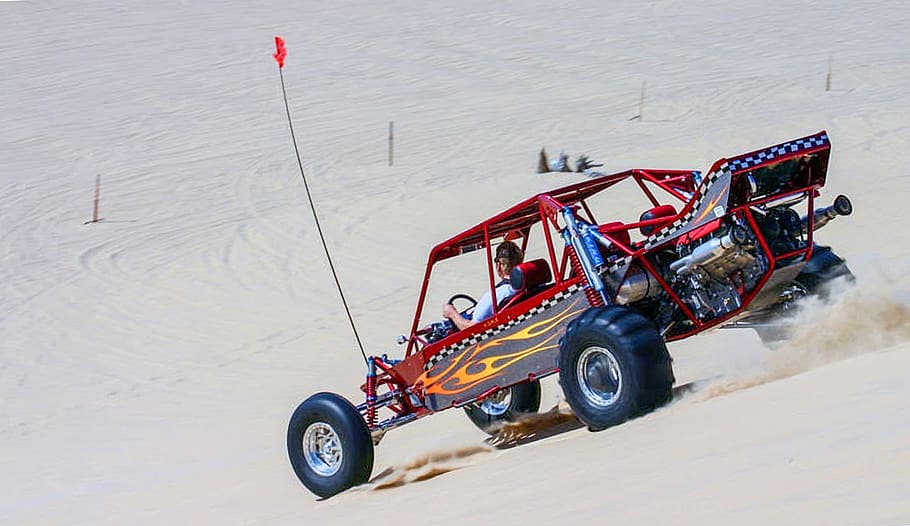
505,405
329,445
613,365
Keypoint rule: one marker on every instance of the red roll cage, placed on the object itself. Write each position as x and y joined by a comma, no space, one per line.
517,221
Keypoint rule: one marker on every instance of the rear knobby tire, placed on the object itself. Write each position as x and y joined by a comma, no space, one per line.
329,445
505,405
815,279
823,267
613,365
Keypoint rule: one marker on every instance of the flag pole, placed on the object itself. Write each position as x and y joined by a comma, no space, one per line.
279,56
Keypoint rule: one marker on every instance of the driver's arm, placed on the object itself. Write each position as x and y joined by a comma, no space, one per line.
482,311
449,311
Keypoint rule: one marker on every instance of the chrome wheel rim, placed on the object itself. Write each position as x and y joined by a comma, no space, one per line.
322,449
497,403
599,376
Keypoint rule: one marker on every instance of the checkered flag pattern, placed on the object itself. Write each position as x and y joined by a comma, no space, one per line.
670,230
751,160
618,264
489,333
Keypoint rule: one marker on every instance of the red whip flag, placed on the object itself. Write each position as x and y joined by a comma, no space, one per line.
280,51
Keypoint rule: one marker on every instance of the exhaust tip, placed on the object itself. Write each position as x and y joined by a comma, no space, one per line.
842,205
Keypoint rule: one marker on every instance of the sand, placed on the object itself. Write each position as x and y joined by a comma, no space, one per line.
149,362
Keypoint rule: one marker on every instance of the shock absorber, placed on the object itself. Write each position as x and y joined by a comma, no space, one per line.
371,394
594,298
584,256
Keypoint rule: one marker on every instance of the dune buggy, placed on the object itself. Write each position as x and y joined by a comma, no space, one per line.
596,302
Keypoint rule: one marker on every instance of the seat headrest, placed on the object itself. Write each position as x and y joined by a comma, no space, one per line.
530,274
654,213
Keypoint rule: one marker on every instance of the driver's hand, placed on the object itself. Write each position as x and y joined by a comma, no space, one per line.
449,311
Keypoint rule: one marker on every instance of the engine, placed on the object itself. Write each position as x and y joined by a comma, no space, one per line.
710,274
713,273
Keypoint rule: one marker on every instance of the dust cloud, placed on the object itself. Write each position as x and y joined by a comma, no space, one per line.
533,427
869,316
426,467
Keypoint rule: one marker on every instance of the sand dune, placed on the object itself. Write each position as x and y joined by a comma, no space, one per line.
149,362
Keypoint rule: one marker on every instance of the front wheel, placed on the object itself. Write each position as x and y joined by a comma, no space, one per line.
505,405
329,445
613,365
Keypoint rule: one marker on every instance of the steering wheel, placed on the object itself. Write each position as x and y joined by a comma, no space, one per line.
440,329
467,311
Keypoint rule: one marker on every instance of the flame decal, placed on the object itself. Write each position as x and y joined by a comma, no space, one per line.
469,369
708,209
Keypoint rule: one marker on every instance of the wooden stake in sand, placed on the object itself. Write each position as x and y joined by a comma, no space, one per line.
641,103
95,216
391,140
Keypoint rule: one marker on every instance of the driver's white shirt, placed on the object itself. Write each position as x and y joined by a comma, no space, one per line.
484,308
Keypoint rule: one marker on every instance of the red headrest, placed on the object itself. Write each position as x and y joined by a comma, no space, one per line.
658,211
530,274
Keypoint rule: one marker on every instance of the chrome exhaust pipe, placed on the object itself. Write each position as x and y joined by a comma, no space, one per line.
822,216
712,250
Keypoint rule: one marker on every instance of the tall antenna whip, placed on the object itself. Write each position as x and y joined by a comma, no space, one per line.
279,56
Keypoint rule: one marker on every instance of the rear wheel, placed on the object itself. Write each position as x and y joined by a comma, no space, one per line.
613,365
505,405
329,445
823,268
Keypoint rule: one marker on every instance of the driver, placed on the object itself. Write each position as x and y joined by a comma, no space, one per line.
508,255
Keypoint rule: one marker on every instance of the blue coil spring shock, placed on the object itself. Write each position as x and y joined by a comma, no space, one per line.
594,297
592,249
